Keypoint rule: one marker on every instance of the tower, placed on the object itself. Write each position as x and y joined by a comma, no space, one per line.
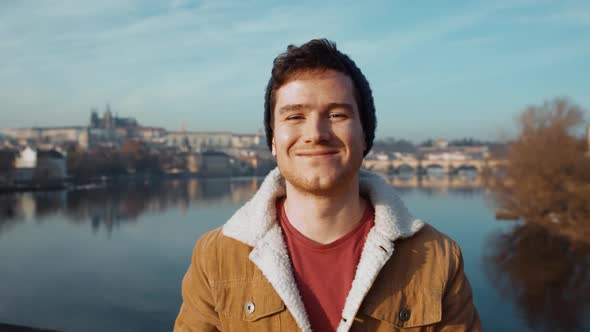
84,139
94,120
108,118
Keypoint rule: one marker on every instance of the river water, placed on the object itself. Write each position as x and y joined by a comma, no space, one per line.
112,258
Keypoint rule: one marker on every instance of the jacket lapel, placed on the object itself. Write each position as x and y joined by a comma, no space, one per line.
271,257
255,225
392,221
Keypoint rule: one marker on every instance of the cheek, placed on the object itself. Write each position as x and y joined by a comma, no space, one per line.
356,139
283,137
355,135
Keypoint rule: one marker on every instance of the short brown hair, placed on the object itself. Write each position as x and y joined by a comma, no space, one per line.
319,54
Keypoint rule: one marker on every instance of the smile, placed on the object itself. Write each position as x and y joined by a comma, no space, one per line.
316,153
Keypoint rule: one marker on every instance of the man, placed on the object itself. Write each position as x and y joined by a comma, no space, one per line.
324,246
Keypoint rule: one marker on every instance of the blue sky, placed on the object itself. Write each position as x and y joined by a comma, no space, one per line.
437,68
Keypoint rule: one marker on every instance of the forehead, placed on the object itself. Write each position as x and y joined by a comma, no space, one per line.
316,88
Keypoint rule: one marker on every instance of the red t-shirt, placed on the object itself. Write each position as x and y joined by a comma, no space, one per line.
324,272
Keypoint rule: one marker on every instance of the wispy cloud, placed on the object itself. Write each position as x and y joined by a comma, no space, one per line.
204,64
566,13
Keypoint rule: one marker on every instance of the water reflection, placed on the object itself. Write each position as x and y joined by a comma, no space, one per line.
438,181
8,214
112,205
109,206
465,184
547,276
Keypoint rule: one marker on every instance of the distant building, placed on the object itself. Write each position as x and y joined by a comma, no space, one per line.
440,143
84,140
209,163
381,156
453,152
404,156
110,121
248,140
445,156
106,136
53,135
31,164
109,130
476,151
7,156
215,163
199,141
25,164
5,140
112,131
149,134
51,165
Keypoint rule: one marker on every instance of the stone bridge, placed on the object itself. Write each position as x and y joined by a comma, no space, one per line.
444,182
420,166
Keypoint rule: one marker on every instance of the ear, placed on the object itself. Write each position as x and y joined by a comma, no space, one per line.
273,148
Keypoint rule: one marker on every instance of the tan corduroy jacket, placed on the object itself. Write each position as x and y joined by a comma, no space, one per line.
410,276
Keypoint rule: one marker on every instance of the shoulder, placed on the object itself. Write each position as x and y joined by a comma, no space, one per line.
214,242
428,237
221,257
428,250
209,239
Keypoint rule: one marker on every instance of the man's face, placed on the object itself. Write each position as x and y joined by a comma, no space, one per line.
318,138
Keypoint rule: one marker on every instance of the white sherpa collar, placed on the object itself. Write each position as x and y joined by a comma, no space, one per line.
251,222
255,225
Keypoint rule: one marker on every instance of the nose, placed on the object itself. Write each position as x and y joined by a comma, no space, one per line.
317,130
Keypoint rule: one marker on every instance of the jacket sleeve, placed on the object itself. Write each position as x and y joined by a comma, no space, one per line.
458,310
197,312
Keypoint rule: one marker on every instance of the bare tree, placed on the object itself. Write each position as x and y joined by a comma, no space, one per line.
547,179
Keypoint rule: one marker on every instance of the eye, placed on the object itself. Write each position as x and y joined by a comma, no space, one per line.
336,115
294,117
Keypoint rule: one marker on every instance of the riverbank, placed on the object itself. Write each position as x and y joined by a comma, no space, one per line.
33,186
97,182
18,328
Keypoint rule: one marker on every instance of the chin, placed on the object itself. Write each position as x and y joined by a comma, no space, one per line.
320,184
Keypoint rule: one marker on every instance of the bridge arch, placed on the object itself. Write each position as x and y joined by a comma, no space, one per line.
433,166
405,168
466,167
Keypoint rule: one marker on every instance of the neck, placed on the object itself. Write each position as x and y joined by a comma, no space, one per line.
325,218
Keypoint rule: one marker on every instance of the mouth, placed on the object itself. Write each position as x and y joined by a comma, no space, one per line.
317,153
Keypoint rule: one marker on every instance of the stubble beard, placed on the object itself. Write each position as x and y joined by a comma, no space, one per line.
316,186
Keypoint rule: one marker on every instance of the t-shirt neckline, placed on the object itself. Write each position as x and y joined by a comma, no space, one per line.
299,237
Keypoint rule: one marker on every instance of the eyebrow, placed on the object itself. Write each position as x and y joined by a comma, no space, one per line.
303,107
294,108
346,106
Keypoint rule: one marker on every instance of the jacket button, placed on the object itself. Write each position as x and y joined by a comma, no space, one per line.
249,307
404,314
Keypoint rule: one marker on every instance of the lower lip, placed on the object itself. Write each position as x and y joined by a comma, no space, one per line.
323,155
